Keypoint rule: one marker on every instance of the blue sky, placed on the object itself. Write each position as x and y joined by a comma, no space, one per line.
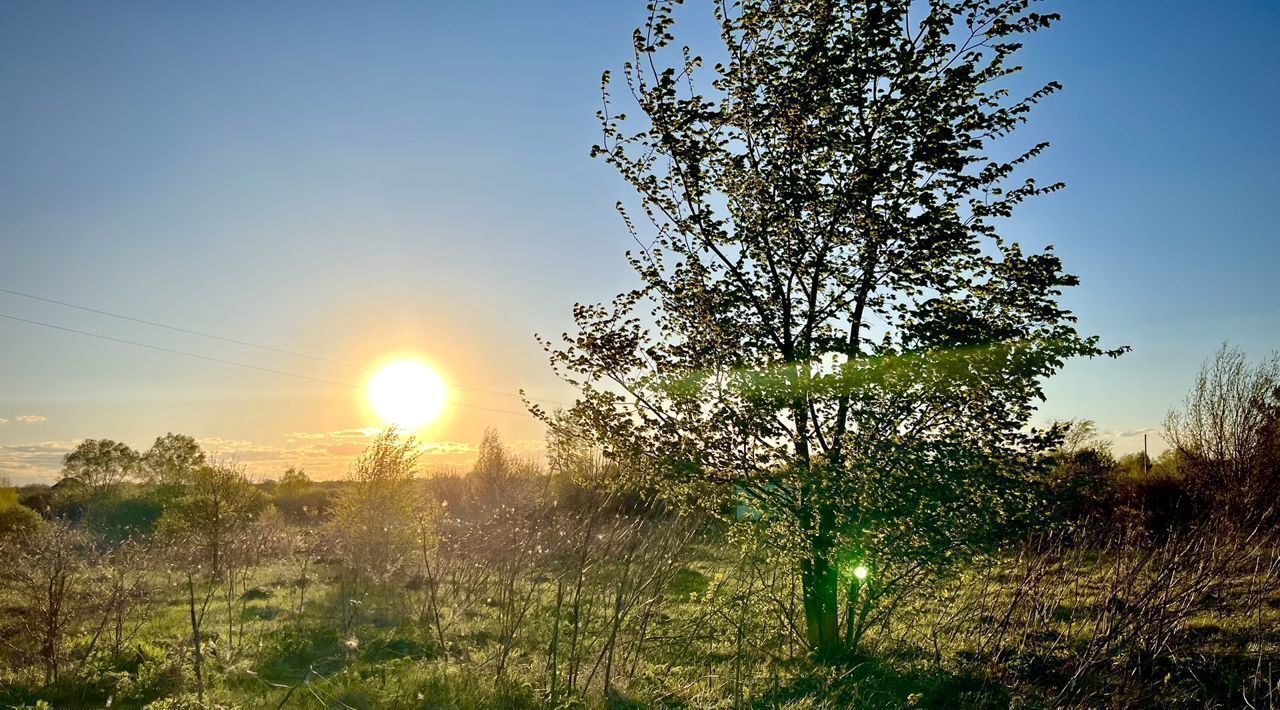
353,179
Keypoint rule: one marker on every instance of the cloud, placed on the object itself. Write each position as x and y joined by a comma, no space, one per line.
364,433
447,447
327,455
1135,432
26,419
324,455
33,463
1130,440
304,435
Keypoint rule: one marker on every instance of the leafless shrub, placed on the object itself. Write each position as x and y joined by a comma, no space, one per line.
452,580
245,557
124,595
512,545
1256,593
50,574
1105,611
301,549
611,573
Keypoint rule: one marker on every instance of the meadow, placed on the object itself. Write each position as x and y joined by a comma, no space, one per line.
513,586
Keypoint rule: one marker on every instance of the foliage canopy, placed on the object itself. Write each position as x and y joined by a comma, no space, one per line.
828,321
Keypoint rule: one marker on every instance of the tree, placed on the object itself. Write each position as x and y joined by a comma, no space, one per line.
212,514
216,504
374,518
581,477
299,500
100,464
828,321
294,483
1228,430
1082,435
494,469
172,460
1083,468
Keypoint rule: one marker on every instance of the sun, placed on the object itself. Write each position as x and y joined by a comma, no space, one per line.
407,393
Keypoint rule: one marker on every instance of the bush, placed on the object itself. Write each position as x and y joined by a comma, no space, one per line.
124,513
15,518
304,507
1160,501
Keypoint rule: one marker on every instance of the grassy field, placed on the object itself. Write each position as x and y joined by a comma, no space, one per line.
573,609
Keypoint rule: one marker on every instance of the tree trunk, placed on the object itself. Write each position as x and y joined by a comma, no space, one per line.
197,657
820,584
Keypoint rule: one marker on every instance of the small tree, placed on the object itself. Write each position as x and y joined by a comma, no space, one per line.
100,464
216,504
374,521
1083,467
294,482
1082,435
1228,430
828,323
495,470
172,460
212,513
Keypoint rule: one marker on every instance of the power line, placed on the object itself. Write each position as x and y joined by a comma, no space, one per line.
245,343
181,330
233,363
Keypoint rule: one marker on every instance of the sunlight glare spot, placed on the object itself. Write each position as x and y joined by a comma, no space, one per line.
408,394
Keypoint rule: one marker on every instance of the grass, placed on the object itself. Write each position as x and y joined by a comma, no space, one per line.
705,644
